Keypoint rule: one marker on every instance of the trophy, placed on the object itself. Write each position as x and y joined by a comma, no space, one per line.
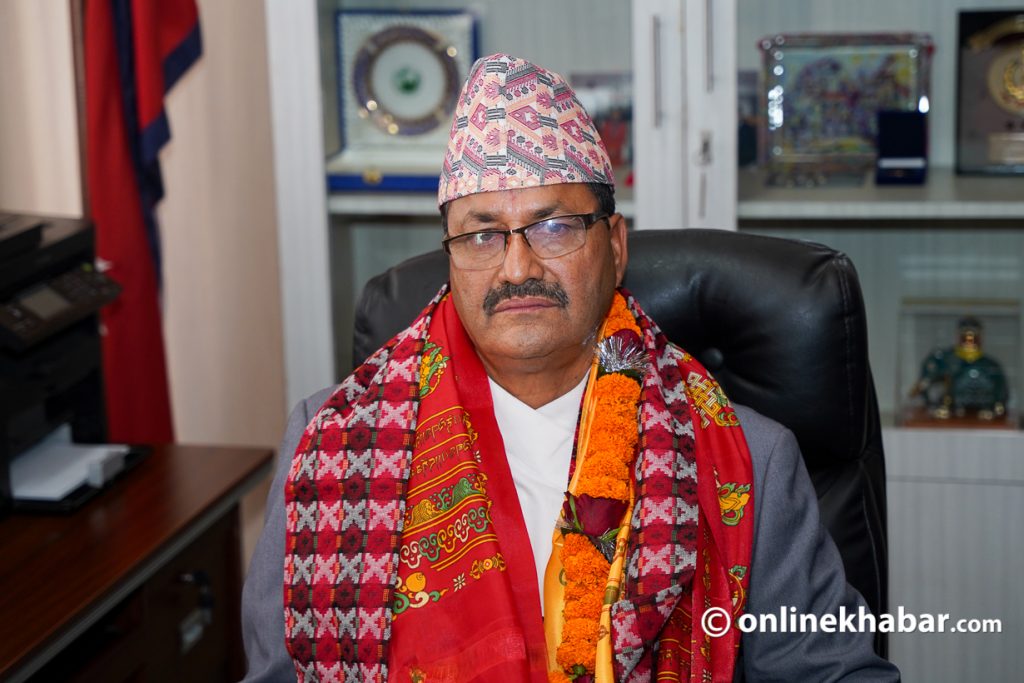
990,93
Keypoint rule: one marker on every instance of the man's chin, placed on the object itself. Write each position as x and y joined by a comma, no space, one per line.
522,345
531,322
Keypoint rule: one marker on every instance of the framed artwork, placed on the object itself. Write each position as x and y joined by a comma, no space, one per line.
399,74
821,94
990,93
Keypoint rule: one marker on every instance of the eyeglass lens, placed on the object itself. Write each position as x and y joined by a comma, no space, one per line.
550,238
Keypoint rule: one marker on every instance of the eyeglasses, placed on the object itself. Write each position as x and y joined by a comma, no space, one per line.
549,238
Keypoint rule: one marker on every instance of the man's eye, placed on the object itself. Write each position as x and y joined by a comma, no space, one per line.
553,228
485,239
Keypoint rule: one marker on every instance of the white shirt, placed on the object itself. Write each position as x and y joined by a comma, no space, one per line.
538,444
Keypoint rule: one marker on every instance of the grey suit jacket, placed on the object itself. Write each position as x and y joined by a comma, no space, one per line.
794,564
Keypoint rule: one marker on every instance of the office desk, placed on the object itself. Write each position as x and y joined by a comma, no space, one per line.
142,583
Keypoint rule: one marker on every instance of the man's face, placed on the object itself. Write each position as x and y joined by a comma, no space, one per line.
541,326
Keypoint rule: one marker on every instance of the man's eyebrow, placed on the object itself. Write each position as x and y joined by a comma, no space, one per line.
540,213
484,216
480,216
545,211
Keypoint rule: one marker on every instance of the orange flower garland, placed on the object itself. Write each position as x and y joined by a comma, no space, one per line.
604,472
619,317
586,571
607,445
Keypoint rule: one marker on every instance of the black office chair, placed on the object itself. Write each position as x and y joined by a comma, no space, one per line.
779,323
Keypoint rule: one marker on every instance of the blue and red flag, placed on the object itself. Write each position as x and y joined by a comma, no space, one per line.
135,51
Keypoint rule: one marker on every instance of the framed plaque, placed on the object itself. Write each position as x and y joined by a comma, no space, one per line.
990,93
821,94
399,74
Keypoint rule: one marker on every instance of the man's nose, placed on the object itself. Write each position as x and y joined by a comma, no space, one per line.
520,263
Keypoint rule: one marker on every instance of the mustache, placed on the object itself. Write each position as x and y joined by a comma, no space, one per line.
530,288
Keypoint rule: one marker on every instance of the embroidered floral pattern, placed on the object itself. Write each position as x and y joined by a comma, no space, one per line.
732,499
432,367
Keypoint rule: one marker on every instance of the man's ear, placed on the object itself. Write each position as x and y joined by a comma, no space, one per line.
620,251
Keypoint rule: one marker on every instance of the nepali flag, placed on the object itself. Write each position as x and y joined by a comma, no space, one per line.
135,51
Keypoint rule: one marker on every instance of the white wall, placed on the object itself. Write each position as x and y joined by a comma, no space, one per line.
222,309
222,317
39,171
294,76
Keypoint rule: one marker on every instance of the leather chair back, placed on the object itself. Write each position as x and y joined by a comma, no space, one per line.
781,325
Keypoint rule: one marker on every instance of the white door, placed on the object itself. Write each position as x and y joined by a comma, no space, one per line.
684,113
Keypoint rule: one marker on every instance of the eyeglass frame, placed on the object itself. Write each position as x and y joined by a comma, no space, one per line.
589,221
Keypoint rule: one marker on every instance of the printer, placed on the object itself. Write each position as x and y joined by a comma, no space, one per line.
50,361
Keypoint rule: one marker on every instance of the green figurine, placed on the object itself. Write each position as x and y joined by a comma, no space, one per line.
961,380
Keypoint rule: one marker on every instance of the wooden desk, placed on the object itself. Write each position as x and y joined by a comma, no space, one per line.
102,594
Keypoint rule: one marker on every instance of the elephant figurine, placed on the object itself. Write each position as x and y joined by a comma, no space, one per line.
961,380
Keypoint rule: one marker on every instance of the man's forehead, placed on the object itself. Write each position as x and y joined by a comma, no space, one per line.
524,202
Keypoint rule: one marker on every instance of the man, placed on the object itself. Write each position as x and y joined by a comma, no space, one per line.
421,513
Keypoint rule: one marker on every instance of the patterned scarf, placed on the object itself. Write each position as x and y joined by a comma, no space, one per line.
407,556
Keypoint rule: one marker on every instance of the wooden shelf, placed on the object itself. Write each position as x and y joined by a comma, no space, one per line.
945,196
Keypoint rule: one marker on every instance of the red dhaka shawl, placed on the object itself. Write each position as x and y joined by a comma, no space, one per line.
407,557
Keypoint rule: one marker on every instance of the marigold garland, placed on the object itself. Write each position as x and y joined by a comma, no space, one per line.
603,471
620,317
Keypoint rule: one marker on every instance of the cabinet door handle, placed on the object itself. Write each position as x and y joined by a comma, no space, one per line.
703,160
656,67
704,152
192,628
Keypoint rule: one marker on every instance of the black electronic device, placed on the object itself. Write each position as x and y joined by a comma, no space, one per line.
50,357
45,308
902,148
18,234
